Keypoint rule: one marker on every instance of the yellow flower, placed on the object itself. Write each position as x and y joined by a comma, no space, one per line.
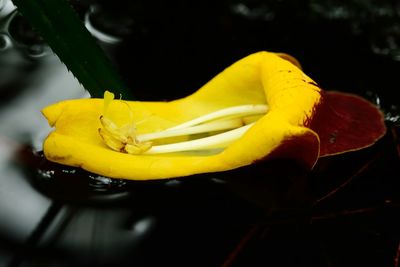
261,107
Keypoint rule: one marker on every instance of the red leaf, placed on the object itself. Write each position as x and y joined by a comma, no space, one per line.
346,122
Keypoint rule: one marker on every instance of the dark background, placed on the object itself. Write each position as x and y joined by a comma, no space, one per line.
343,213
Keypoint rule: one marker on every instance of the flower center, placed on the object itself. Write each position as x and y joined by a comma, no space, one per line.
223,126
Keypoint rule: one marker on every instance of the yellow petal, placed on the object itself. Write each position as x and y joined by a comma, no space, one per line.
261,78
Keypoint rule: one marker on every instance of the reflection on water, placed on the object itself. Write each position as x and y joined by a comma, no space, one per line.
56,215
31,79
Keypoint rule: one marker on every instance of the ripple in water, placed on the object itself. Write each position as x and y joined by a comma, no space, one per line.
108,26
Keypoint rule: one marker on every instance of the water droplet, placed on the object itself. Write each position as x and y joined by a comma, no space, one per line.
142,226
173,183
5,42
105,184
259,12
46,174
391,112
26,38
392,115
37,50
100,27
334,10
387,44
71,171
374,98
218,180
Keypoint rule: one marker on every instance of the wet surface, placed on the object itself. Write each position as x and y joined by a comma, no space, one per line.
343,213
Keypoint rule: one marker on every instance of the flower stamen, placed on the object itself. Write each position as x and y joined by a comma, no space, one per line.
232,112
211,142
219,125
231,121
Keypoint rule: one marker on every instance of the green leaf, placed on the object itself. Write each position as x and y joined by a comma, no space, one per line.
67,36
